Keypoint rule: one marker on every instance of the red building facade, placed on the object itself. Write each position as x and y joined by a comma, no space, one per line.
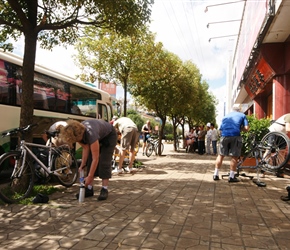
264,87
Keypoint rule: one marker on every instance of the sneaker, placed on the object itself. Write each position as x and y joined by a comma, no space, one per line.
131,170
143,154
103,194
233,179
216,178
115,170
88,193
285,198
118,171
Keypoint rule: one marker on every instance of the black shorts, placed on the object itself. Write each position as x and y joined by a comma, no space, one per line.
231,146
107,147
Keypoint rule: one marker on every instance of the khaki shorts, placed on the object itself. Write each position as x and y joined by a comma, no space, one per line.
129,138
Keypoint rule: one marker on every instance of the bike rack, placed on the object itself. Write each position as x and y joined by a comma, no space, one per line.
256,167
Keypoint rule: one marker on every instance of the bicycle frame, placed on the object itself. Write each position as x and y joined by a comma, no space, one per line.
271,154
24,148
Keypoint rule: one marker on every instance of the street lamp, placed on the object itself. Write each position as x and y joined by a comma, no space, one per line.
206,8
220,37
223,22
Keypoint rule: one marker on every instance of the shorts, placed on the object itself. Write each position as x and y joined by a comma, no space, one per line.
231,146
104,169
129,138
146,137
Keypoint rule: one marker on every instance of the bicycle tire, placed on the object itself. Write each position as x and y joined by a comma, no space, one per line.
156,148
274,148
14,189
149,149
64,158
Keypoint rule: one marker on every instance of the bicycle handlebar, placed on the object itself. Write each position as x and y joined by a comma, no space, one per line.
22,130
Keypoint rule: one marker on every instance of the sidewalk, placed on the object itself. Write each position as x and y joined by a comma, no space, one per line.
172,203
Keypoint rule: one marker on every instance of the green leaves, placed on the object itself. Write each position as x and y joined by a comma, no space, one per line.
59,22
258,127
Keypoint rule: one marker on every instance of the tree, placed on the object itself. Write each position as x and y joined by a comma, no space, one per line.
157,84
106,56
58,22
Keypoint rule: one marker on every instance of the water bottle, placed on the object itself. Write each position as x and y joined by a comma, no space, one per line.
82,187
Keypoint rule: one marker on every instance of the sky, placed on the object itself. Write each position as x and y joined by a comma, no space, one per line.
184,28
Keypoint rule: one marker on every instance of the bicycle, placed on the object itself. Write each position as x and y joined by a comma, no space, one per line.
271,155
153,145
17,171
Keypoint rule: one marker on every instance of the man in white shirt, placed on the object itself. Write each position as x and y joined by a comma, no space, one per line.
129,138
214,138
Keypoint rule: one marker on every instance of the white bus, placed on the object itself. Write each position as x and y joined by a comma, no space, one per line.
56,97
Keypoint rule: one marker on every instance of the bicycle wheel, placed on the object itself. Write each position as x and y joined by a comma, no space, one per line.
156,148
15,185
66,162
274,149
149,149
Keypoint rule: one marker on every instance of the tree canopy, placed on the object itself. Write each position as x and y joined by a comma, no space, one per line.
60,22
106,56
155,77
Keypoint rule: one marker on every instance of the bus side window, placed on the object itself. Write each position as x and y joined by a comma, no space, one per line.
39,97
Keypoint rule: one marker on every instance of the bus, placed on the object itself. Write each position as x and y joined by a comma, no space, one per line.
56,97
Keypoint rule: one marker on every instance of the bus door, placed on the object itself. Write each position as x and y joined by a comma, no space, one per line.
103,111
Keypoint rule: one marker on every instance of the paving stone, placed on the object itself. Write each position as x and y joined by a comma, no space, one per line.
171,203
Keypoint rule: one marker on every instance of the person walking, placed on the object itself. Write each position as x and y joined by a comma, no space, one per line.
129,138
231,141
98,139
146,130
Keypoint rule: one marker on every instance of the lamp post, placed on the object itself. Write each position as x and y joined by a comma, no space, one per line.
206,8
223,22
220,37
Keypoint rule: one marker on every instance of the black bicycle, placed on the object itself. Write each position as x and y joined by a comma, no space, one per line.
17,168
271,155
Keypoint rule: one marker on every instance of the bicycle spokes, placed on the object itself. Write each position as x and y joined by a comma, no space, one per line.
16,178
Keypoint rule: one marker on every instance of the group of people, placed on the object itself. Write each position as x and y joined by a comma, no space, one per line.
98,140
202,140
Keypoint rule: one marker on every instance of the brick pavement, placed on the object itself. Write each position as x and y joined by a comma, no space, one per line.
172,203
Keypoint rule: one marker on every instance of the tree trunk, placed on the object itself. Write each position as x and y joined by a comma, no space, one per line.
26,114
125,98
161,134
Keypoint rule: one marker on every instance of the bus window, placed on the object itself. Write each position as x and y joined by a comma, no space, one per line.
39,97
